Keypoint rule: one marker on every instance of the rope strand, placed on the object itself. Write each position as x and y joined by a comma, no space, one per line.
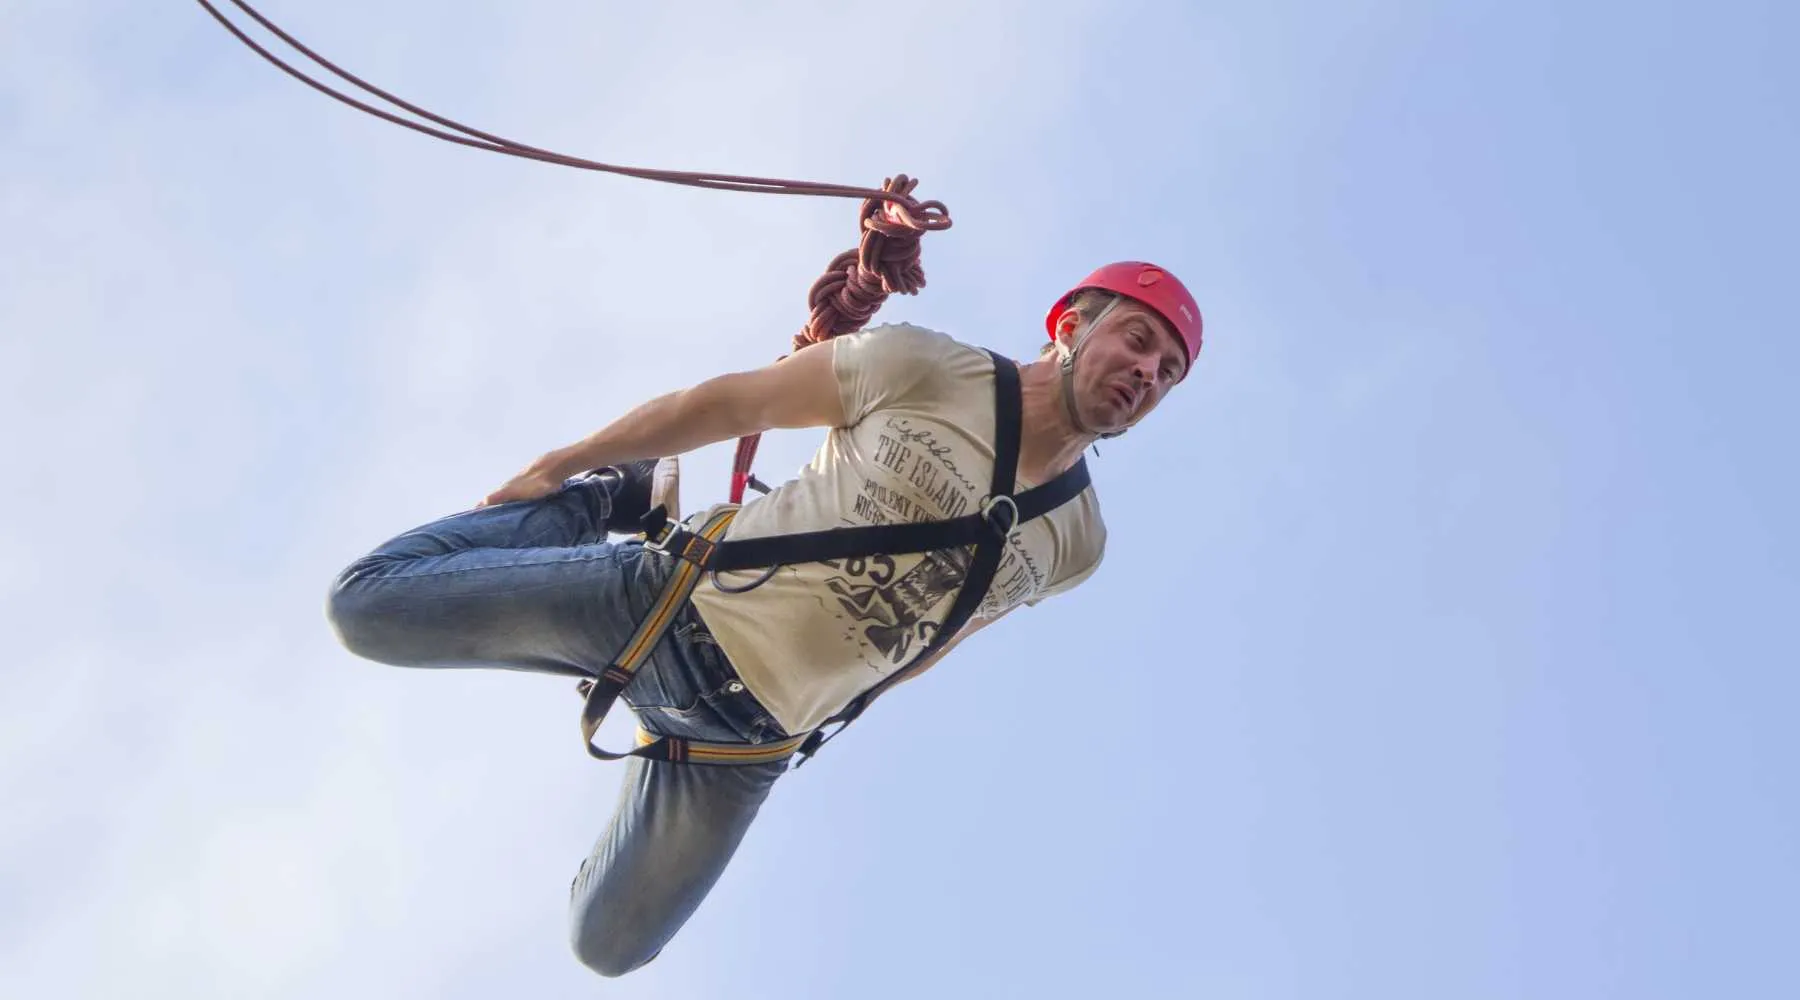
927,216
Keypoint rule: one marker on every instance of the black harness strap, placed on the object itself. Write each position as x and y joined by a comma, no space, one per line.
893,539
598,693
990,546
989,530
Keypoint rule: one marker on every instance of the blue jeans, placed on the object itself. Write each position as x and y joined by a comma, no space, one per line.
535,585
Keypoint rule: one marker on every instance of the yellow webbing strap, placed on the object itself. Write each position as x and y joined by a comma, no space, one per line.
603,690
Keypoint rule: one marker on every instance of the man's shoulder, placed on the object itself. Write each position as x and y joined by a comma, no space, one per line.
944,358
1089,523
906,365
916,337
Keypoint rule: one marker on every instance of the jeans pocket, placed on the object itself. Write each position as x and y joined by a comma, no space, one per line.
688,687
663,686
740,716
682,669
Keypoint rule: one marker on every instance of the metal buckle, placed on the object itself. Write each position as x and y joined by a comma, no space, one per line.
677,541
987,513
660,543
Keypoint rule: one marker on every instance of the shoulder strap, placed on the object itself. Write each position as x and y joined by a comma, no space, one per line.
997,525
1008,416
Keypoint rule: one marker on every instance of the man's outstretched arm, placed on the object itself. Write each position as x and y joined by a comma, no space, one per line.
800,390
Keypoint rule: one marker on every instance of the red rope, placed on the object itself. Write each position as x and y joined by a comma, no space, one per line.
858,281
853,288
929,215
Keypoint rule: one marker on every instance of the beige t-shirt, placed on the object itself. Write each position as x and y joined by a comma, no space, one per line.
919,446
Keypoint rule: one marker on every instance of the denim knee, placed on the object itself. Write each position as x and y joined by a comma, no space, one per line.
605,950
360,626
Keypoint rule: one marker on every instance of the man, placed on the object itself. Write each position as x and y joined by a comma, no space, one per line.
756,658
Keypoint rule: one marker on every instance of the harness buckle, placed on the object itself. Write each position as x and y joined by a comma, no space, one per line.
659,529
667,536
990,504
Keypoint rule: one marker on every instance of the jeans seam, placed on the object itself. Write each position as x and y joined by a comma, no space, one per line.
399,560
697,633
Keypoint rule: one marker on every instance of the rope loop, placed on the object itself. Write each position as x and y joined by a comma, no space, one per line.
885,261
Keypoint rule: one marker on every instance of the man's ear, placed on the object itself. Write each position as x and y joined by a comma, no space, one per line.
1067,325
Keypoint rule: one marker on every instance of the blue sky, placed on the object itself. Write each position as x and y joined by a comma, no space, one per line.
1445,643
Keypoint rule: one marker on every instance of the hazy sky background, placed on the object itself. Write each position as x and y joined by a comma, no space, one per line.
1446,642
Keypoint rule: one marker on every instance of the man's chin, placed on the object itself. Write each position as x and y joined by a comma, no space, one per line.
1119,418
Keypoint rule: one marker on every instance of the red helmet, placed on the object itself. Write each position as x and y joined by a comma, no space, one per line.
1151,285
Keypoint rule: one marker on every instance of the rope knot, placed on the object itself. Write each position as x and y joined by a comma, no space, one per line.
884,262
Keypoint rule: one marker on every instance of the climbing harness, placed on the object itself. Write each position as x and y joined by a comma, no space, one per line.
842,300
599,692
989,529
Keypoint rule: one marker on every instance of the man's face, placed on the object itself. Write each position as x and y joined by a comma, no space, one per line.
1130,361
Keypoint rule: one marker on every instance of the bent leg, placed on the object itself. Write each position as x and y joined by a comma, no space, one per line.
675,829
531,585
676,826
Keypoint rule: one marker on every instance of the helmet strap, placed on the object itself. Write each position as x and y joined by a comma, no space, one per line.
1068,373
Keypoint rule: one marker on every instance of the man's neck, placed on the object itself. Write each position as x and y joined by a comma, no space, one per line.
1048,443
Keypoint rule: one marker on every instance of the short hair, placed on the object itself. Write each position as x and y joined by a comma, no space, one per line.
1087,304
